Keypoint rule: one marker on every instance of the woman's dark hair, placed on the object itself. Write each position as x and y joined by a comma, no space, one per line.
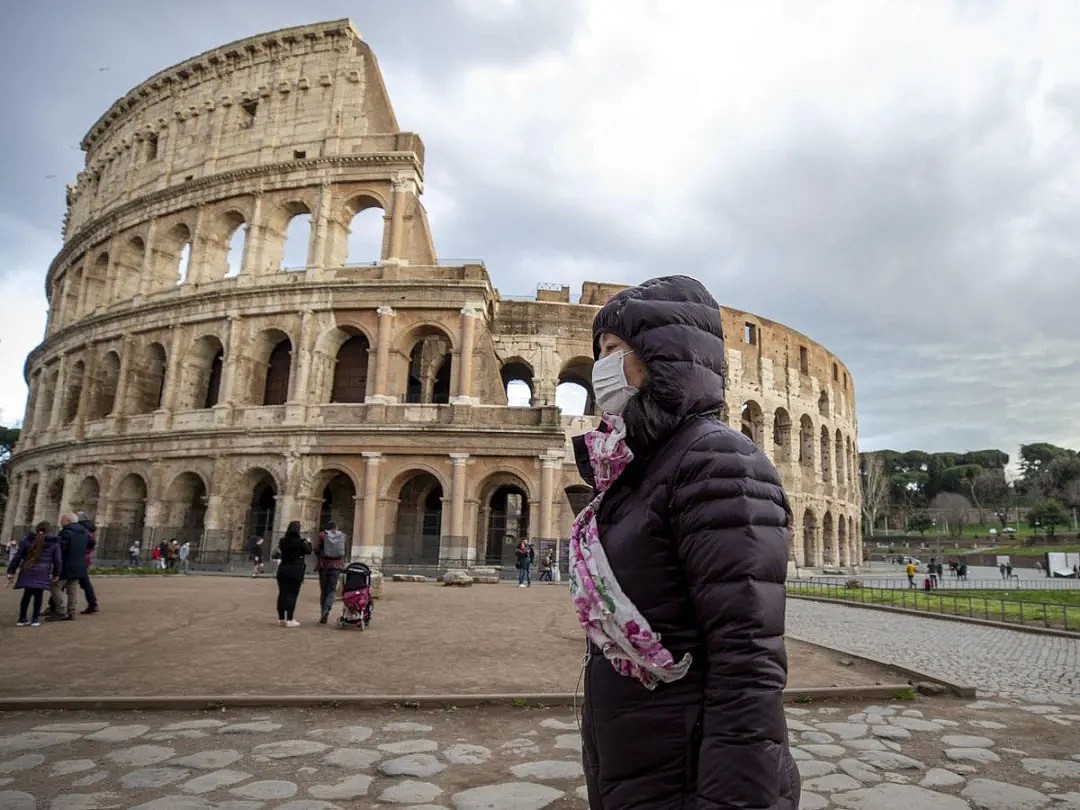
36,547
293,529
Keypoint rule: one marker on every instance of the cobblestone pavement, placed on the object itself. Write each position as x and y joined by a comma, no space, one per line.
1043,669
933,754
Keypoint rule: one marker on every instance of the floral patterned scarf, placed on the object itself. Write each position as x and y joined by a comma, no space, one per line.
609,618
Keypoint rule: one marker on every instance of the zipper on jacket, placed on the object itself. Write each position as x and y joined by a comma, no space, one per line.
694,752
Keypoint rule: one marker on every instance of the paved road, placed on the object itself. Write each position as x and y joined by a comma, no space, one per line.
1045,669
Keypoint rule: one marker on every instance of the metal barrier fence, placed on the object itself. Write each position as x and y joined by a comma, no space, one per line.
995,608
951,583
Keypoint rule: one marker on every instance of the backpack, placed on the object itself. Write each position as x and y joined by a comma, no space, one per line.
333,545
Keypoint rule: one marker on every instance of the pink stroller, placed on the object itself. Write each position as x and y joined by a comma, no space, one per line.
355,597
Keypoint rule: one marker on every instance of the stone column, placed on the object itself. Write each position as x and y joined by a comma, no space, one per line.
549,463
459,547
174,365
43,498
67,495
383,339
123,382
230,367
253,242
319,227
301,372
89,389
402,187
15,509
464,396
146,278
371,544
60,393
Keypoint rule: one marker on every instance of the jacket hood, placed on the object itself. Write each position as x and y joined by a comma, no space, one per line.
74,528
673,324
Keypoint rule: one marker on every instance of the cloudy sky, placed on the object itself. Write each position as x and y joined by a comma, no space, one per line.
901,181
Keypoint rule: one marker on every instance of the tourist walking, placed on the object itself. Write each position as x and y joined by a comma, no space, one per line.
330,560
134,552
183,554
685,540
1001,568
547,571
911,569
38,562
523,562
255,555
1008,571
87,586
73,542
933,571
290,573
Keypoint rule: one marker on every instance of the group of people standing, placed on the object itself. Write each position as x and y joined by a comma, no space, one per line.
58,563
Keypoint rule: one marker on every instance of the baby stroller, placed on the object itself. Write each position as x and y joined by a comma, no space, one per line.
355,597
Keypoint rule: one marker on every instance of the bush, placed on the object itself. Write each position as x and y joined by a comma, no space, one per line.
853,583
145,571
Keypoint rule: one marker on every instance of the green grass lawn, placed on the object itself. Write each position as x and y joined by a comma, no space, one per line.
1046,608
1034,551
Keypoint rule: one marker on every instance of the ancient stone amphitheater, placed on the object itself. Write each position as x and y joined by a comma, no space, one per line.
223,355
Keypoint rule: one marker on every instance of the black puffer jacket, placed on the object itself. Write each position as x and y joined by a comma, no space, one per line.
696,531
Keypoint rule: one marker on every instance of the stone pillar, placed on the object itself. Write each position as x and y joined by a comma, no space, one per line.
320,225
464,396
253,243
89,389
67,495
43,499
174,366
402,188
459,547
301,372
123,383
15,508
146,277
60,394
230,367
371,544
383,339
549,463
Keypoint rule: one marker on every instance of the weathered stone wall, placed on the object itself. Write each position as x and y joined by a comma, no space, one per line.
189,383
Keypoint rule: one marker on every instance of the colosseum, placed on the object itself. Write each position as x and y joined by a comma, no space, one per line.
249,324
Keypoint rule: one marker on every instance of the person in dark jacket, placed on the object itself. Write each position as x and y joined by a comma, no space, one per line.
677,571
38,561
290,573
74,540
84,582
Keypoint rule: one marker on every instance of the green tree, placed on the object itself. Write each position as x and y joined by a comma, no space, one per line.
1048,514
8,438
920,522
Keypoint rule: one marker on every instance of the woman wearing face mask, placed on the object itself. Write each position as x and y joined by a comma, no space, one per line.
677,571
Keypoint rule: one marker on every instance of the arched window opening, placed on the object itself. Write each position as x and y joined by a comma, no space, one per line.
823,404
196,386
31,504
517,380
72,287
129,507
753,422
338,505
185,502
297,242
574,394
150,380
103,399
365,237
94,285
419,522
811,548
826,462
128,270
806,442
278,367
87,496
429,371
45,401
781,436
262,508
74,390
234,254
213,383
507,523
351,371
183,264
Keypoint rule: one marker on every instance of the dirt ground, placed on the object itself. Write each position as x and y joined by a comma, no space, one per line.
219,635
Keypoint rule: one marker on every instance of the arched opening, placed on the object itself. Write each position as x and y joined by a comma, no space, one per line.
294,254
185,501
259,521
338,505
129,509
223,245
752,422
103,401
73,391
429,370
781,436
517,380
574,393
150,379
94,284
278,366
505,516
806,442
830,557
842,538
823,404
841,476
234,252
46,398
31,505
128,269
419,522
70,295
201,374
811,548
172,257
351,370
87,496
54,493
365,241
183,265
826,462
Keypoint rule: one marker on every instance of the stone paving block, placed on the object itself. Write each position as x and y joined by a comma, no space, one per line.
518,795
266,790
548,770
349,788
410,791
989,794
213,780
889,796
420,765
119,733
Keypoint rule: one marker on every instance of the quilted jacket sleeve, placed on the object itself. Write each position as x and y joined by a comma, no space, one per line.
731,527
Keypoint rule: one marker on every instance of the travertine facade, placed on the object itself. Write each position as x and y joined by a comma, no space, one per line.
192,383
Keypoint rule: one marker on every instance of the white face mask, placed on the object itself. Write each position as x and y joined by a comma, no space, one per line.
612,390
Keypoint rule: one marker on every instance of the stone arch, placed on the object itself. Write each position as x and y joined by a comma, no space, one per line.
149,379
365,229
336,494
823,404
418,518
223,239
504,513
826,463
806,442
87,496
54,494
128,269
811,540
103,390
172,257
840,458
270,366
574,392
828,541
289,236
430,365
351,364
260,489
94,281
185,505
48,393
781,436
70,295
129,505
752,422
278,371
72,390
200,382
517,382
31,503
